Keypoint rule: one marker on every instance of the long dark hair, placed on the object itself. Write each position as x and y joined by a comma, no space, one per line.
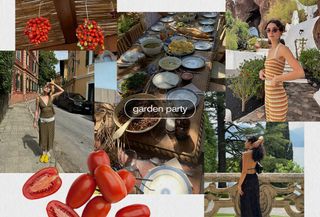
257,152
280,25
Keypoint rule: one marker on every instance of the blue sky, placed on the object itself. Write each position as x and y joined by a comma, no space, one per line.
105,75
297,133
60,55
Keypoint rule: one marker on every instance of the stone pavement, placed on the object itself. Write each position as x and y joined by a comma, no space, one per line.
302,105
19,146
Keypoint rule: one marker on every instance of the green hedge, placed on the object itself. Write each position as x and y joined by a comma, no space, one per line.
310,60
308,2
6,69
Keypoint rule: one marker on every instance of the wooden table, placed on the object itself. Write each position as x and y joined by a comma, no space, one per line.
157,142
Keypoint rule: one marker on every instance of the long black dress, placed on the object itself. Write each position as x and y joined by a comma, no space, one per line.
250,200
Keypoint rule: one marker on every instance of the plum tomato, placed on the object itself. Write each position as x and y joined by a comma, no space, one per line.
80,191
97,207
128,179
110,184
135,210
41,184
57,209
97,158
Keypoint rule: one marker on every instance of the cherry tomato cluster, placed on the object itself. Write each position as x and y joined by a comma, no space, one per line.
37,30
90,35
114,186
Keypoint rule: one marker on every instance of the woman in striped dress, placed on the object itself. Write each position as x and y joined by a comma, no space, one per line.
276,101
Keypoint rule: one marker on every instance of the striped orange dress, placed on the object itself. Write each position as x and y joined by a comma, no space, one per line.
276,100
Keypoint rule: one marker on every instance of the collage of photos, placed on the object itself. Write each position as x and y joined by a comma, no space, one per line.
144,107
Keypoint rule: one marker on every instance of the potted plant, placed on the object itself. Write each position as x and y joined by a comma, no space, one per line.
310,61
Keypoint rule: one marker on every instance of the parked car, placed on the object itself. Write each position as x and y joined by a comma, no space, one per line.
74,102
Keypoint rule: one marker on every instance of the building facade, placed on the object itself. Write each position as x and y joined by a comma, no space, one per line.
79,75
25,76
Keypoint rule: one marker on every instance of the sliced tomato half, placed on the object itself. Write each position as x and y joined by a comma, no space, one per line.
58,209
135,210
42,184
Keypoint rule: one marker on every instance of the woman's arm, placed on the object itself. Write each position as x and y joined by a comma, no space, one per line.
258,142
36,113
297,72
59,92
245,157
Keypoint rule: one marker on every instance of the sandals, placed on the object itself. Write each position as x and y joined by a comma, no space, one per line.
44,158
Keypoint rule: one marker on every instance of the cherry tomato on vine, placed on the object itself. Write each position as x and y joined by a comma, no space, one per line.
135,210
97,158
80,191
43,183
128,179
97,207
57,209
110,184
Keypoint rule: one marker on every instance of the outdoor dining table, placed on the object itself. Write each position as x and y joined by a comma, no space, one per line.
157,141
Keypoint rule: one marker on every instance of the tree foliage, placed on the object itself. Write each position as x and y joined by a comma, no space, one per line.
280,165
210,146
6,69
308,2
282,10
277,141
215,108
237,33
248,84
47,62
279,153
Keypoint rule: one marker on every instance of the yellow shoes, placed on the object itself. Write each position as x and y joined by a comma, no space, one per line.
44,158
41,159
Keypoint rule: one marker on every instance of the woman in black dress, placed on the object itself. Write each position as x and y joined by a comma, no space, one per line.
248,186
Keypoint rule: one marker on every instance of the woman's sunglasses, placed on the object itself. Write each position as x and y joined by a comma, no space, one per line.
274,30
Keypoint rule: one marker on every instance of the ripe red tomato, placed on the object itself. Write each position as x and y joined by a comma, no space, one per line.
97,207
80,191
110,184
41,184
128,179
57,209
97,158
135,210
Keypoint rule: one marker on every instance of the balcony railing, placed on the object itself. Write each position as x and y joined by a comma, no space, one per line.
277,190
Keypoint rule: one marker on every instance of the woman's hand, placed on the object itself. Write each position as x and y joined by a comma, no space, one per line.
240,190
261,75
35,125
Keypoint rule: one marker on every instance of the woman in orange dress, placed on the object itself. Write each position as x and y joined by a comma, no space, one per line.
276,100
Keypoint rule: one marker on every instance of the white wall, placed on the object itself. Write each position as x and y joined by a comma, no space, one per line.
235,58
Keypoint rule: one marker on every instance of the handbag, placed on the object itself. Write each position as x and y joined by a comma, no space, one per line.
259,167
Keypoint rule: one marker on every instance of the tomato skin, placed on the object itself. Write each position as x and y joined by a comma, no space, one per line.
97,207
110,184
128,179
97,158
80,191
34,187
54,208
135,210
